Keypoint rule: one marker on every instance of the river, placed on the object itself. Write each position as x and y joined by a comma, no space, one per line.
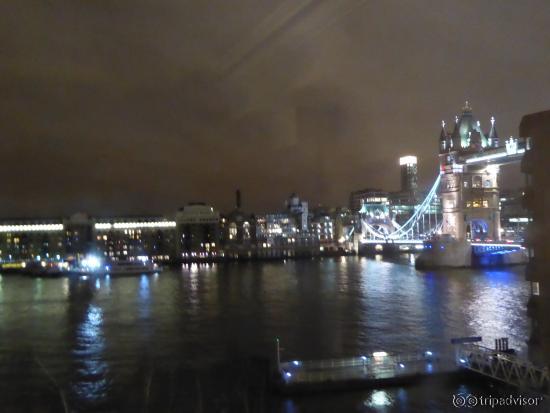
90,338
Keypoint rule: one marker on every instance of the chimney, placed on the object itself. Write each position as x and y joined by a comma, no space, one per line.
238,198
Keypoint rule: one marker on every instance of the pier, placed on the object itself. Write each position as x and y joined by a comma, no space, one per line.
382,369
375,370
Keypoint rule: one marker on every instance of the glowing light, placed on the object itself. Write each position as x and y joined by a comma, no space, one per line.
31,228
378,398
288,375
401,365
393,241
379,354
296,363
519,220
429,353
91,262
408,160
481,244
462,361
486,157
493,169
135,225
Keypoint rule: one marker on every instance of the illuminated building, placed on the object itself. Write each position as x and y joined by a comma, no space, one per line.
24,239
469,191
321,225
197,231
333,228
298,209
285,234
409,174
78,230
513,215
537,201
375,204
238,228
357,198
131,237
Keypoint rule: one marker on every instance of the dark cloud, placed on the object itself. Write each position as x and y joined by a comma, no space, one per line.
136,106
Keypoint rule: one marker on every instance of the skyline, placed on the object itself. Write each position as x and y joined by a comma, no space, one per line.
181,91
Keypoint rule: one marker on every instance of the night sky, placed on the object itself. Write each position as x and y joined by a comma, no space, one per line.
133,106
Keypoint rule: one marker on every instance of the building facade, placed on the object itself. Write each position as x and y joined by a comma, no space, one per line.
537,201
469,193
409,174
197,231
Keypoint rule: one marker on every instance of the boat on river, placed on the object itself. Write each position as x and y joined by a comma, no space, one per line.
130,268
93,266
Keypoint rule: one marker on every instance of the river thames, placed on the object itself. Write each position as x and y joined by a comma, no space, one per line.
90,337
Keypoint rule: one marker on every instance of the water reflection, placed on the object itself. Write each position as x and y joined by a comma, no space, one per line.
95,329
91,382
493,310
144,297
379,398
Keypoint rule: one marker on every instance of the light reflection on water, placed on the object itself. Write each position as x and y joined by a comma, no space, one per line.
91,381
379,398
327,308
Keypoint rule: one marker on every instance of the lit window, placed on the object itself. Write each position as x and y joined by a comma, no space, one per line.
477,181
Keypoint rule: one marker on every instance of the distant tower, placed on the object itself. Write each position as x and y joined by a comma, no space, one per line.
409,173
469,191
444,139
492,138
238,199
467,133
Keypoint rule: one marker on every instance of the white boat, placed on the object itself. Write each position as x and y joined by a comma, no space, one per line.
130,267
92,265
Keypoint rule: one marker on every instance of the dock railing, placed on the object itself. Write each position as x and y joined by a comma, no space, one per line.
379,365
504,366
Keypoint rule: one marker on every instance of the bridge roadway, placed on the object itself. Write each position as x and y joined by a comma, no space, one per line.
418,244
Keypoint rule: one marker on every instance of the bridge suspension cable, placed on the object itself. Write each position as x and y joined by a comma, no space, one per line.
411,227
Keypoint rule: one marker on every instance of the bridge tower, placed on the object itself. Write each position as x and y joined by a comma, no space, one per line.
469,190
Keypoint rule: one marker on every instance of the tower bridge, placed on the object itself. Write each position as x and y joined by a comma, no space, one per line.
458,221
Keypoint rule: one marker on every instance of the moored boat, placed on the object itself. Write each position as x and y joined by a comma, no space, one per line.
130,267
